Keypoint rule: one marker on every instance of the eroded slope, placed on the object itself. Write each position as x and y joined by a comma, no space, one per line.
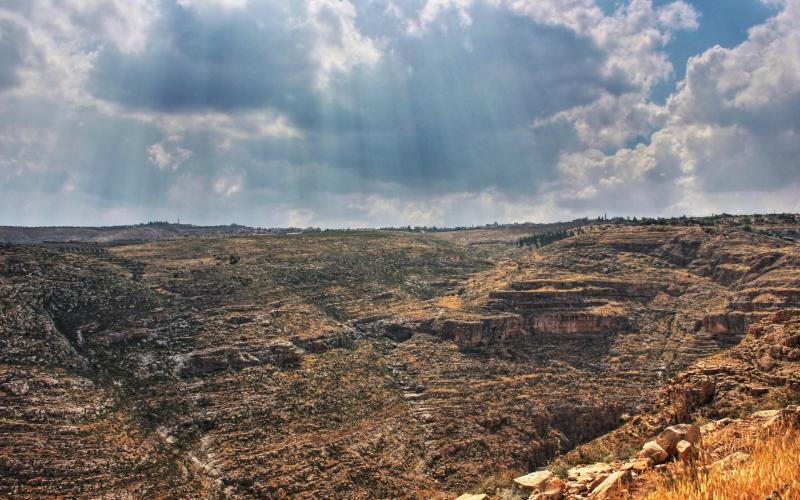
360,364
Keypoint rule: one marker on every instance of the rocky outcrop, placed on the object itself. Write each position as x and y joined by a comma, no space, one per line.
766,299
494,329
484,331
762,365
344,338
576,323
533,481
685,394
542,485
653,452
550,307
613,485
732,323
669,438
677,450
237,357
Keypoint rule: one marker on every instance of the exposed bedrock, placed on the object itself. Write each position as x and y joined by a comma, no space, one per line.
484,331
767,299
344,338
238,356
763,367
494,329
724,324
575,322
532,308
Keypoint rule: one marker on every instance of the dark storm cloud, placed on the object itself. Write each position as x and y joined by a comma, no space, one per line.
212,60
463,110
450,110
13,43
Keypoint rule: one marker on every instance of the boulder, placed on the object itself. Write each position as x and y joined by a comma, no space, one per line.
598,479
687,452
473,496
575,489
766,414
554,490
724,421
654,452
638,466
587,473
533,481
669,437
613,485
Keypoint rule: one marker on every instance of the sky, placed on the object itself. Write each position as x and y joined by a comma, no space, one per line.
356,113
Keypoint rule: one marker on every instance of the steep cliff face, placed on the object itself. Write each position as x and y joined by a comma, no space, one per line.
527,310
576,323
764,367
745,389
766,298
485,331
530,327
732,323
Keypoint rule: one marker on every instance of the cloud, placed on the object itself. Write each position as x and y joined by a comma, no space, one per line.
228,183
732,127
678,15
207,61
433,9
224,128
269,55
357,112
168,154
610,122
338,45
223,4
13,47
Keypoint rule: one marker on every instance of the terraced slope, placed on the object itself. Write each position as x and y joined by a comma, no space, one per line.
357,364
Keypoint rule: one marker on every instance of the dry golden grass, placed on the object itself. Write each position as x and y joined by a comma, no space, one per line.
449,302
775,467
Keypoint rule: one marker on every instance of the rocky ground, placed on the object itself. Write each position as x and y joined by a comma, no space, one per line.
379,364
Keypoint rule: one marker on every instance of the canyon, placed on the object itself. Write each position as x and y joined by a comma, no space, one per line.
367,364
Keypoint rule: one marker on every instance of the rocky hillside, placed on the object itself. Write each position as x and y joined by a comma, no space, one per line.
714,419
759,376
379,364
